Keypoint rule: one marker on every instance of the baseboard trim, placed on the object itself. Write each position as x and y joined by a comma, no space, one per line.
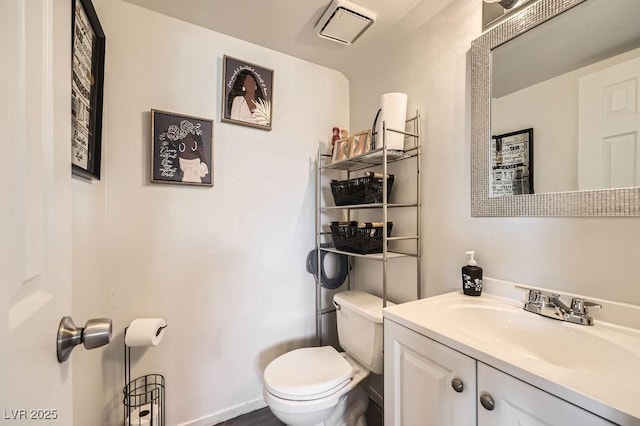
226,414
375,396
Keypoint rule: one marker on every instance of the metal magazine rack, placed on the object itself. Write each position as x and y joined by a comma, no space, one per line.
144,397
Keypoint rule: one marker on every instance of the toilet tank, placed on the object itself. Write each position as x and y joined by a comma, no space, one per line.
359,318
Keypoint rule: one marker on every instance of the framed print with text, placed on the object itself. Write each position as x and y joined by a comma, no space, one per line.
181,149
87,72
247,94
512,163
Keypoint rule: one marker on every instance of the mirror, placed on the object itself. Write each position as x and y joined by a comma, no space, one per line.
558,72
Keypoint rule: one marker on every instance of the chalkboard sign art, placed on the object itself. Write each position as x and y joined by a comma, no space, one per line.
512,163
247,94
181,149
87,84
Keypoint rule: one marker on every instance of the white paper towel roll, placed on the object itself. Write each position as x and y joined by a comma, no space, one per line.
145,332
394,116
141,416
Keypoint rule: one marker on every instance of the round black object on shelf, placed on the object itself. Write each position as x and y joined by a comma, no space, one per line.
342,268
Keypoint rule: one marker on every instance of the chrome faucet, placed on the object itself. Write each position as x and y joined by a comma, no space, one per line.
549,305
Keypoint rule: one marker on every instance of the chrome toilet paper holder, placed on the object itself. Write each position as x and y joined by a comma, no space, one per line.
95,333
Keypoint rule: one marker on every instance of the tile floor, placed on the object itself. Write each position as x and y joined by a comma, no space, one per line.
261,417
264,417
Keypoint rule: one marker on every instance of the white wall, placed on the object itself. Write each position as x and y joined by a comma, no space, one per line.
589,256
223,265
89,296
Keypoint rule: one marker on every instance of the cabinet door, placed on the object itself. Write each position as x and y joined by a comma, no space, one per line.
418,375
519,403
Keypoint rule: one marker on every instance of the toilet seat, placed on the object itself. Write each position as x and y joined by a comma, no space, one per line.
308,374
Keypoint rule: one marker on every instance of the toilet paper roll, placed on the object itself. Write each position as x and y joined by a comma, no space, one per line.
145,332
394,116
142,416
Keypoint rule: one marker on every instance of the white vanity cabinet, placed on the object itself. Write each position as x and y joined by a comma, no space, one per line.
420,375
518,403
428,383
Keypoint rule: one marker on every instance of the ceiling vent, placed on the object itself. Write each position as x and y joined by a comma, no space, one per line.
344,22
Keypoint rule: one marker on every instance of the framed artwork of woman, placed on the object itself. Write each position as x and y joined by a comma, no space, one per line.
247,95
181,149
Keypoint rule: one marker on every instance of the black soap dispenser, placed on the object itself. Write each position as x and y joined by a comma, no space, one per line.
471,276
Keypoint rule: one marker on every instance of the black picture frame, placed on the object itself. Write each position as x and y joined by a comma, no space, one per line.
512,163
235,108
87,72
178,142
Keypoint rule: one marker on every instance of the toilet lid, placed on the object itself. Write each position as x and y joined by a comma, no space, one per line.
307,373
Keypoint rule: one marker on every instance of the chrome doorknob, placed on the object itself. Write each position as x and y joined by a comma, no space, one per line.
96,332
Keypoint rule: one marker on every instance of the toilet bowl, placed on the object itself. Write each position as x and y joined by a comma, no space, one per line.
320,389
319,385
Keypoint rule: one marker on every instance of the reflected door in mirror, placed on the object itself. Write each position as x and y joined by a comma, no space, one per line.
609,128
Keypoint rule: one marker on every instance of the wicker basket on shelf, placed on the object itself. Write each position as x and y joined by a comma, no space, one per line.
362,190
361,238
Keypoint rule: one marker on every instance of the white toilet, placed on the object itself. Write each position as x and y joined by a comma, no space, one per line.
319,386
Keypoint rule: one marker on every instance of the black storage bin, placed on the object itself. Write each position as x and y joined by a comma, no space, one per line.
361,238
362,190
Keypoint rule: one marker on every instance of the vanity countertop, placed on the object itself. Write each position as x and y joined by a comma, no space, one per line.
595,367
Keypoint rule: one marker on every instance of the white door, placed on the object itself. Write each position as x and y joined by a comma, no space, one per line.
518,403
609,128
426,383
35,210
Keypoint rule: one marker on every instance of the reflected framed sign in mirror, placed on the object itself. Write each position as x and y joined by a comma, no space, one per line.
563,67
512,163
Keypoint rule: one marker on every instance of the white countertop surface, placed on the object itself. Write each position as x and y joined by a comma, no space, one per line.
595,367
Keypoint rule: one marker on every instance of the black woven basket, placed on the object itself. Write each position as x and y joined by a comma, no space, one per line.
363,238
362,190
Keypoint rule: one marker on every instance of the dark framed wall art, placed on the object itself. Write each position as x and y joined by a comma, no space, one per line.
87,66
512,163
181,149
247,94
